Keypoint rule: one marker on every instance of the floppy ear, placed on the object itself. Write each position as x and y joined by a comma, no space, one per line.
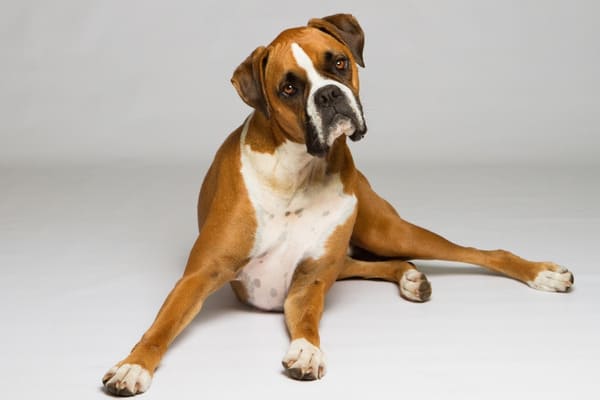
248,80
345,28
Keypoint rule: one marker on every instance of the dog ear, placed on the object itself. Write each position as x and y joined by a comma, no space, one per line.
249,80
345,28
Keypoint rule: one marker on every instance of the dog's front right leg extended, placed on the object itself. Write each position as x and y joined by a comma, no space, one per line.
303,309
205,273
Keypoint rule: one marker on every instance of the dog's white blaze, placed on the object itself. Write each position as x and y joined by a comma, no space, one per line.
317,81
297,209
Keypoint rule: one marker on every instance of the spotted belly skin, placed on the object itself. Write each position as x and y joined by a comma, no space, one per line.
288,236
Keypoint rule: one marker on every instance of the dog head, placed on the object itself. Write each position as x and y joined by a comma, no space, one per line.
306,82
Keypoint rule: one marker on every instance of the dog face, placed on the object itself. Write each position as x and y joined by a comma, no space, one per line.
306,82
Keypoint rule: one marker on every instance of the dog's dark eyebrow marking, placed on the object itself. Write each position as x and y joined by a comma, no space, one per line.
328,56
290,77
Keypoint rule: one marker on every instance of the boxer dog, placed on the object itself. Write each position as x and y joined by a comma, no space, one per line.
284,212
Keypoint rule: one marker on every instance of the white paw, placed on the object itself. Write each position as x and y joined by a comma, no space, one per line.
304,361
414,286
555,279
127,380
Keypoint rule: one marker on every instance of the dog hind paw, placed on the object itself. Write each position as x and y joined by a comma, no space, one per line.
304,361
127,380
554,278
414,286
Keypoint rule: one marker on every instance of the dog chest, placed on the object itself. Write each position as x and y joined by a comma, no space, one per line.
287,234
292,225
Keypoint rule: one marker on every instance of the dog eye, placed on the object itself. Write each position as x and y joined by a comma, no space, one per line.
289,90
341,64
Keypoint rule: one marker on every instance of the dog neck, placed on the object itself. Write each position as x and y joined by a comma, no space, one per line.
281,164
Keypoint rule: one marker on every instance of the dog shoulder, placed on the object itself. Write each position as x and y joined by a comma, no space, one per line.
223,184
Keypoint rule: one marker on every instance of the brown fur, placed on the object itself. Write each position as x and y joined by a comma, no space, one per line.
380,230
220,250
227,221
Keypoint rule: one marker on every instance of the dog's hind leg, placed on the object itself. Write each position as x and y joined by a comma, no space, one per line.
380,230
413,284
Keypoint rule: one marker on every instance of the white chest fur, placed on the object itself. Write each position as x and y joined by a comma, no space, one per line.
297,208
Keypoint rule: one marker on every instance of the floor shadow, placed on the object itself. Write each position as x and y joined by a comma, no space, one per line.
430,269
221,304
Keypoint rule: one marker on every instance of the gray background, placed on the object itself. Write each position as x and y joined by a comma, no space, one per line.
446,81
484,127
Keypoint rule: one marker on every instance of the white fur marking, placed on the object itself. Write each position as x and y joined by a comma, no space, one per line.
553,281
298,206
306,357
317,81
410,283
128,379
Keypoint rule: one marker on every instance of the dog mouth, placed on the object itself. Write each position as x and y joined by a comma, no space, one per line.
338,124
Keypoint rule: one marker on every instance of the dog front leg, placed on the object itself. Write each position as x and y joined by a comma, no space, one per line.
303,309
204,274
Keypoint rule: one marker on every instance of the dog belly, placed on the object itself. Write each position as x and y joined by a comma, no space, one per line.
267,279
286,236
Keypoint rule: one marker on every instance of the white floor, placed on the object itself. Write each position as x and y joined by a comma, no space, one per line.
88,254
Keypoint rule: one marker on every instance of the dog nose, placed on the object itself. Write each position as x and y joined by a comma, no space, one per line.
328,95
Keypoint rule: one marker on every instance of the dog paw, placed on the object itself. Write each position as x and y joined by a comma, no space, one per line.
304,361
127,380
414,286
554,278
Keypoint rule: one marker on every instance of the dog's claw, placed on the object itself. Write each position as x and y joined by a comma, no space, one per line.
127,380
304,361
554,278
